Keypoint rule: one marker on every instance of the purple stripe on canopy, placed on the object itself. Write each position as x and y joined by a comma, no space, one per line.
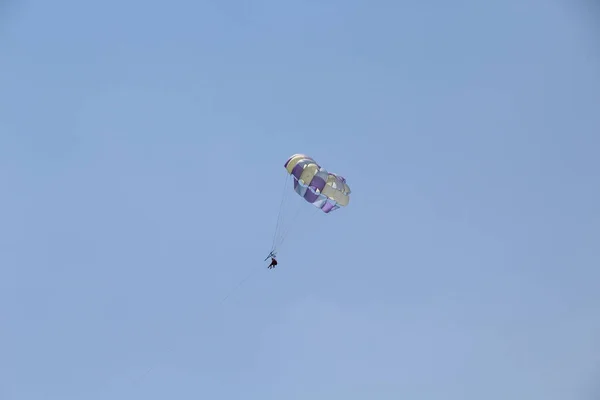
327,207
310,196
297,171
317,183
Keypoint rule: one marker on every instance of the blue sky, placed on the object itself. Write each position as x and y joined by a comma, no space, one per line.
141,164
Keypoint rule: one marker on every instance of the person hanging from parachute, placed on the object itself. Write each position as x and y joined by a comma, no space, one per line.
273,256
324,190
273,263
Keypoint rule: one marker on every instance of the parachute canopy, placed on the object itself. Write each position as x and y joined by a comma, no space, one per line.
323,189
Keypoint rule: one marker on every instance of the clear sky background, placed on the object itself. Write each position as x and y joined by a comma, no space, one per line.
141,165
